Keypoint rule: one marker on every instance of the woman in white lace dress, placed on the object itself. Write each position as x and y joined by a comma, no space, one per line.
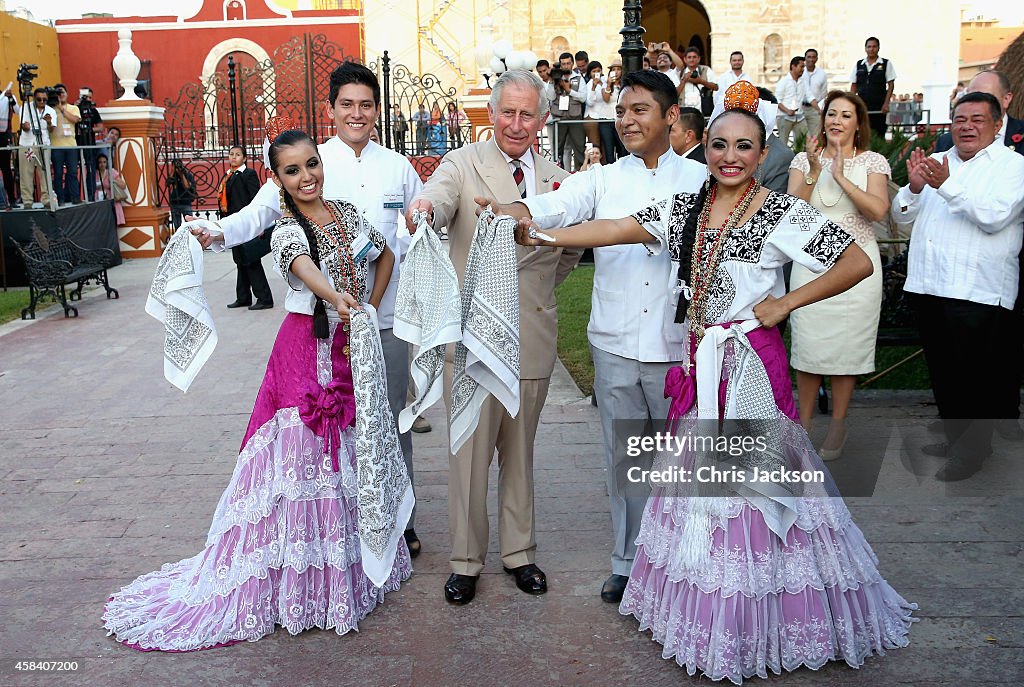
748,577
293,542
836,337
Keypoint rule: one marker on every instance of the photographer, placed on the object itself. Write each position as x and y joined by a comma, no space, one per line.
182,187
85,135
37,121
8,107
697,85
65,150
602,94
666,61
567,101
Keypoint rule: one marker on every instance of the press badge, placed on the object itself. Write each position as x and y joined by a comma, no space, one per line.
394,201
361,245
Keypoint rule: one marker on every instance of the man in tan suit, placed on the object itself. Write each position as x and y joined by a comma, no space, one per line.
507,169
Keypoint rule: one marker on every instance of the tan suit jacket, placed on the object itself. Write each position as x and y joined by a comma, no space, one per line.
480,169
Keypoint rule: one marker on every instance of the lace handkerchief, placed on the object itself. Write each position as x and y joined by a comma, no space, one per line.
177,299
384,496
428,314
487,359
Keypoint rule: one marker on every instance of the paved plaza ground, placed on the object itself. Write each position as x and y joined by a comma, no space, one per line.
107,472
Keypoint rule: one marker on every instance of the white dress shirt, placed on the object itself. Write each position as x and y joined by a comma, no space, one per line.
31,114
528,165
379,182
791,93
967,234
633,307
815,85
7,110
597,108
673,74
726,80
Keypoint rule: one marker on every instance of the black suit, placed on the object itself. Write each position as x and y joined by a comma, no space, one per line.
251,281
1010,409
696,154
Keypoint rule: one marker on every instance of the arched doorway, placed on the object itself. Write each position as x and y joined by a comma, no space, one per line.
681,23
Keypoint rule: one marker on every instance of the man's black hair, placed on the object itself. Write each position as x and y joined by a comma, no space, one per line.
693,119
814,50
353,72
979,97
565,55
796,60
543,63
735,52
659,86
872,38
582,55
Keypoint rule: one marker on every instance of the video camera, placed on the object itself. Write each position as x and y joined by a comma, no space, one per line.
26,75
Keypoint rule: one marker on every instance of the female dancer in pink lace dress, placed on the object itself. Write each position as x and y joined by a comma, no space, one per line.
285,546
764,576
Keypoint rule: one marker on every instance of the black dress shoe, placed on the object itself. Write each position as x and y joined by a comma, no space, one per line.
413,542
529,578
460,589
957,469
261,305
613,588
240,304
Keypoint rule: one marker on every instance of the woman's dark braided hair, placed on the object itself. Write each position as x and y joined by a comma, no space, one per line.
689,232
284,140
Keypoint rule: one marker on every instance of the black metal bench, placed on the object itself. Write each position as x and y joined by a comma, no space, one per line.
54,263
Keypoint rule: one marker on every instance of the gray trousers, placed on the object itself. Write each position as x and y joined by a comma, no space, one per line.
396,359
627,389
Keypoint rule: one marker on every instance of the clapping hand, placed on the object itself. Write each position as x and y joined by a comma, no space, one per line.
813,156
935,172
838,166
916,171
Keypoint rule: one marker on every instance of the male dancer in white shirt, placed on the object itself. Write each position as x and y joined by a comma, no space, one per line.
380,183
634,339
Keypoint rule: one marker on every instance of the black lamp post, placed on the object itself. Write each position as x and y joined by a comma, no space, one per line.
632,49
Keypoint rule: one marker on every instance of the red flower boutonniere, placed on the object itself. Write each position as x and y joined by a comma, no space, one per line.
554,186
1017,138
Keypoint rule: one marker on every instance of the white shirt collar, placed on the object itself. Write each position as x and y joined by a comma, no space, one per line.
1001,135
664,159
526,160
346,150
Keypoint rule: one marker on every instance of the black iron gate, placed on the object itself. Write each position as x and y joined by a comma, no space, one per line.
419,117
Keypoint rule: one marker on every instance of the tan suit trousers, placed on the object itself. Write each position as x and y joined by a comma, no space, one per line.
467,481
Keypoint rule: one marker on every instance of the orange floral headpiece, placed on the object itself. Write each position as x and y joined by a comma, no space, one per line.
275,126
742,95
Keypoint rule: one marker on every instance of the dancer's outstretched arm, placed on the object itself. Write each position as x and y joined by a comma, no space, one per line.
593,234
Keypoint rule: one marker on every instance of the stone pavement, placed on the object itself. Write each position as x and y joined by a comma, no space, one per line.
107,472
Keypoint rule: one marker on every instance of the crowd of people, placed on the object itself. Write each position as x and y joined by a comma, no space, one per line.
580,89
60,147
692,222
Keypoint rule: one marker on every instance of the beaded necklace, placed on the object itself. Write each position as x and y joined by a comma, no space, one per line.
346,265
701,278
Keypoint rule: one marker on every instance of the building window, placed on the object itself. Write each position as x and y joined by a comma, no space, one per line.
772,58
234,10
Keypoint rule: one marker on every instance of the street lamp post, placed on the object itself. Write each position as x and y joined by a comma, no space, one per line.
632,49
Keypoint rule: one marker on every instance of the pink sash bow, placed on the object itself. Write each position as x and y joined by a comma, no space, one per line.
326,414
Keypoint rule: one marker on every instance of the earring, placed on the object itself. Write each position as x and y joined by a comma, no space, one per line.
284,206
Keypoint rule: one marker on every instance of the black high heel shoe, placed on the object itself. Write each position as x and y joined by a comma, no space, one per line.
413,542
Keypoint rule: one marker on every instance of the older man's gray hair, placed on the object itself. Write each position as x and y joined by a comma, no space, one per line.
523,79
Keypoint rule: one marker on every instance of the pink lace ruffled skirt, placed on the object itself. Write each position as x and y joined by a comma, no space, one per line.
762,603
283,548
